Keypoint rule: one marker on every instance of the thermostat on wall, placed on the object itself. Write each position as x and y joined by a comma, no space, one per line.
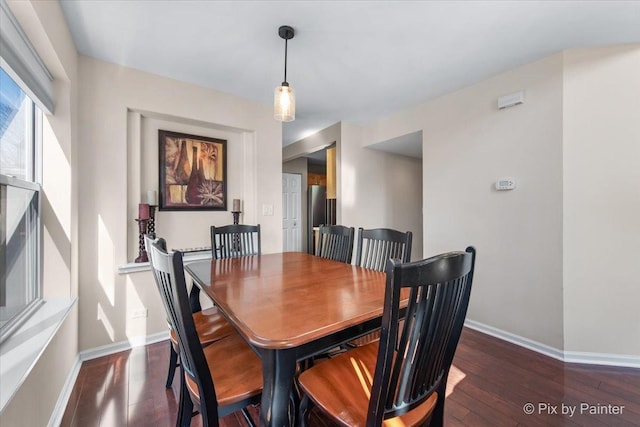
505,184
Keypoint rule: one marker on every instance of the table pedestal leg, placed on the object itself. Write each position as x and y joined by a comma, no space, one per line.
279,369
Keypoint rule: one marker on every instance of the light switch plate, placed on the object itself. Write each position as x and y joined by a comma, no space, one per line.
267,210
139,313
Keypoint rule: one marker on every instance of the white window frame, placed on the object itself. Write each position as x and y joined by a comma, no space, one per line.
19,60
33,137
35,287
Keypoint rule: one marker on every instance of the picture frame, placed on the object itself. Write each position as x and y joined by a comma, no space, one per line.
188,185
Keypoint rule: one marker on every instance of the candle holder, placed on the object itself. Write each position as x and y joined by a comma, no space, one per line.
236,237
151,226
142,230
236,216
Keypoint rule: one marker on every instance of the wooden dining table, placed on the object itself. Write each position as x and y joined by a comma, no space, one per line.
288,307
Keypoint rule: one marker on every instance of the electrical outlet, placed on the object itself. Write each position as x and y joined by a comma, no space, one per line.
139,313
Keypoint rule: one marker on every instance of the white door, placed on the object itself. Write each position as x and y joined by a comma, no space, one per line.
291,212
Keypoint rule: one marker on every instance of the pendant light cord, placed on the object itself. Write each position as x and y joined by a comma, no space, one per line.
285,60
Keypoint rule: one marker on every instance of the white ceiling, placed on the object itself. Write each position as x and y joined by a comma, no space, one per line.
354,61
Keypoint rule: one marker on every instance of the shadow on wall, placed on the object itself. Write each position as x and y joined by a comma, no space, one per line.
126,310
56,208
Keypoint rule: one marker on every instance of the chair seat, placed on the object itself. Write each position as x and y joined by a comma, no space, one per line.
235,370
210,325
341,386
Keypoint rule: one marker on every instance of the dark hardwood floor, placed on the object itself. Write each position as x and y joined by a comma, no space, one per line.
489,385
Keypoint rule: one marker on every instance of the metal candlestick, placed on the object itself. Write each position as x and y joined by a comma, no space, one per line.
142,230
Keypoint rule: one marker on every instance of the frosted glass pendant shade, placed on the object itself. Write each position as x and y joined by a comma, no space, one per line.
284,104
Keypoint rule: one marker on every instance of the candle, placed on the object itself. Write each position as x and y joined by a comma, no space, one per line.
236,205
152,198
143,211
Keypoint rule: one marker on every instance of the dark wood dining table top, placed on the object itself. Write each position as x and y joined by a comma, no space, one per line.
285,300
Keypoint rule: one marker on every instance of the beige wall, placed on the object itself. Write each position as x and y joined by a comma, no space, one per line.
368,182
44,25
168,222
602,200
468,144
378,189
121,110
557,255
312,143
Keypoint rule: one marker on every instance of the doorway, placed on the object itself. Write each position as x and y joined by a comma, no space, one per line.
291,212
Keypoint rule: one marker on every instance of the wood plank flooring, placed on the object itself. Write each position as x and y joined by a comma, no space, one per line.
489,385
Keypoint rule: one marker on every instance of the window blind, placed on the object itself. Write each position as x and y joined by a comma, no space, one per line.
20,60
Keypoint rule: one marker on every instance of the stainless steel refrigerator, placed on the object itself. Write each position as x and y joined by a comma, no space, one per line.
317,198
321,212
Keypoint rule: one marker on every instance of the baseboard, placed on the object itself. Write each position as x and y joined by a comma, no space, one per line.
602,359
65,394
516,339
564,356
117,347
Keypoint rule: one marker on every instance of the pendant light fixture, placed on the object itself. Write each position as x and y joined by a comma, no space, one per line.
284,100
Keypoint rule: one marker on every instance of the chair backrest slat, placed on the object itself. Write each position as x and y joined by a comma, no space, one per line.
376,246
335,242
411,366
236,240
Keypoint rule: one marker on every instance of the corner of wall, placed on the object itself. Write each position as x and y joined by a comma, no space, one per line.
600,211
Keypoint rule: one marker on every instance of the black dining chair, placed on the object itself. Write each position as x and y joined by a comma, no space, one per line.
219,379
335,242
404,374
374,247
236,240
230,241
210,324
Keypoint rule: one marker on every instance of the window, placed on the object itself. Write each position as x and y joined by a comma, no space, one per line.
20,130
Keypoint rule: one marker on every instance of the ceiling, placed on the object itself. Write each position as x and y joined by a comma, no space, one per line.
349,60
409,145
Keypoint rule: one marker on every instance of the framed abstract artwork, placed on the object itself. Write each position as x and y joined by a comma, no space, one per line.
193,172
